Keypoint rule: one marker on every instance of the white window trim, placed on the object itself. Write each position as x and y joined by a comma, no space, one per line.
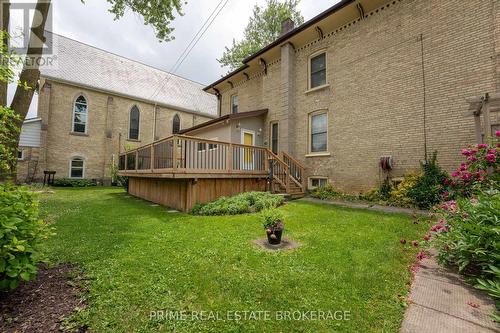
73,115
231,103
309,86
83,167
310,179
326,152
22,155
139,127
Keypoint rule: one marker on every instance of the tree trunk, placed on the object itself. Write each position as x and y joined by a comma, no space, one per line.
31,72
5,17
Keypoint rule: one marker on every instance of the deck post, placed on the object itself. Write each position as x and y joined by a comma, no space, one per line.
287,175
174,152
136,160
230,158
152,153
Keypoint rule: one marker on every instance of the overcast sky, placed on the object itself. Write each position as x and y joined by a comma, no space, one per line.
91,23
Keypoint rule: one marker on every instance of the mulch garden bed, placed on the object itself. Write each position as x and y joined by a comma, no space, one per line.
42,304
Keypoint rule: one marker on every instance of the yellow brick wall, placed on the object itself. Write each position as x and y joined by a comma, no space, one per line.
375,98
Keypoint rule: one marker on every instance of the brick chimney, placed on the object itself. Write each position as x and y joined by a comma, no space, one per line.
287,26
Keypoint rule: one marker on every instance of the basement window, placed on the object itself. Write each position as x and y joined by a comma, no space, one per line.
76,168
315,182
20,155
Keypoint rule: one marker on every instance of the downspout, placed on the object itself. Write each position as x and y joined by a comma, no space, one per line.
421,38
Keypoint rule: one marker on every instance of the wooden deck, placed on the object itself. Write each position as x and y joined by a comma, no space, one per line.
180,171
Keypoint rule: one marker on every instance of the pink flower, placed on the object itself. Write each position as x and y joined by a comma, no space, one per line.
402,241
463,167
455,174
472,304
465,215
446,182
492,151
466,152
472,158
473,201
436,228
414,243
497,133
482,145
427,237
421,255
491,158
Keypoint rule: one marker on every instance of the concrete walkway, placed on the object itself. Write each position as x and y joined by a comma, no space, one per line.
369,206
442,302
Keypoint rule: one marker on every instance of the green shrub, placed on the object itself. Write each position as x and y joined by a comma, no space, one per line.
248,202
385,189
400,195
428,190
21,235
271,218
329,192
67,182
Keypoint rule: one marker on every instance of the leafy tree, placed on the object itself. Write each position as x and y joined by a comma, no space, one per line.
263,28
159,14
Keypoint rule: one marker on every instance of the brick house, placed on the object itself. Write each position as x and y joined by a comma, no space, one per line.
371,78
93,104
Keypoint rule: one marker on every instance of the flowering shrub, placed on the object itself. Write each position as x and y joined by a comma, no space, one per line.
399,196
468,236
479,170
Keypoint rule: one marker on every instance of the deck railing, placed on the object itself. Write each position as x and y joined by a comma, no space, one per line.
186,154
180,153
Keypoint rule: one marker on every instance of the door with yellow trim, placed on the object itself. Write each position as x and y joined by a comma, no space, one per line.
248,139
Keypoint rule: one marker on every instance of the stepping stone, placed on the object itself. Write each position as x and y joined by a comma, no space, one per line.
154,205
173,211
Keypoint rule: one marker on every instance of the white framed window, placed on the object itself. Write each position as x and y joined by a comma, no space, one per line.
317,181
176,124
80,113
202,146
20,155
234,104
77,168
317,70
213,146
134,123
318,132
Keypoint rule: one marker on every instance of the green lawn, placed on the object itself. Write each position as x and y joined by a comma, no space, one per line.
140,258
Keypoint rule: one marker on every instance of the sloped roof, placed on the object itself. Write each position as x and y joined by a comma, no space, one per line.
230,116
88,66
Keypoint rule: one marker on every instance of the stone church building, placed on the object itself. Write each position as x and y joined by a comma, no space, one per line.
94,104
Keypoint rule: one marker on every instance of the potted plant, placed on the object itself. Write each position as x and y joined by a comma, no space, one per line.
273,224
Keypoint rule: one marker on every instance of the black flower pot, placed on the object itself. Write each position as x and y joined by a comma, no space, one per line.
277,239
